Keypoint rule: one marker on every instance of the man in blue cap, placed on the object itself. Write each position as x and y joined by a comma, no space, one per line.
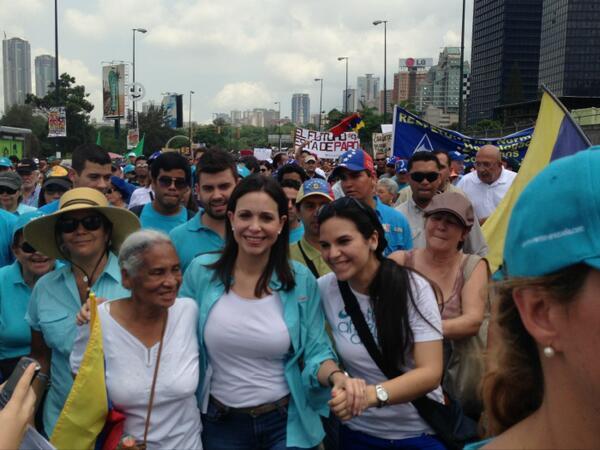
358,179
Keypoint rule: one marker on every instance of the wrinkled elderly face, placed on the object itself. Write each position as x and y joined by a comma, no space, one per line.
488,164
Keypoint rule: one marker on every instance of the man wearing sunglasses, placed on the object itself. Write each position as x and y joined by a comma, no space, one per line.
488,184
425,180
92,167
358,179
170,176
380,163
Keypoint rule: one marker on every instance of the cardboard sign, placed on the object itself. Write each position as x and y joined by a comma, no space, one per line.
325,145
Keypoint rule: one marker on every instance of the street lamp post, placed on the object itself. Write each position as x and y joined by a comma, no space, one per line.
190,121
279,123
384,22
320,103
140,30
340,58
56,91
462,68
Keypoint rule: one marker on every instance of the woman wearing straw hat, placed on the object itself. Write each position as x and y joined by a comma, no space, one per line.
86,233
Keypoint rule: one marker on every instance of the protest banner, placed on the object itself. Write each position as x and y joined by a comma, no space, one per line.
411,134
262,154
382,142
325,145
57,122
133,138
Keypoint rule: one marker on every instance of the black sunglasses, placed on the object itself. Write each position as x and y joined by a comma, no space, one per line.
7,190
27,248
420,176
55,190
90,223
166,182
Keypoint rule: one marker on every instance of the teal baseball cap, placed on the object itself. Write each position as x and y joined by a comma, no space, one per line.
556,220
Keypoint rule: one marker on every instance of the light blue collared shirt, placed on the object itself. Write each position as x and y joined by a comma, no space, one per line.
193,238
303,316
395,226
7,223
52,310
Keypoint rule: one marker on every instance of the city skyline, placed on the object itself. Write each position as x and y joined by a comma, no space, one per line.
232,64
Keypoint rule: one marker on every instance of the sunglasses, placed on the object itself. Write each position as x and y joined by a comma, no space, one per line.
27,248
420,176
55,190
90,223
7,190
379,159
167,182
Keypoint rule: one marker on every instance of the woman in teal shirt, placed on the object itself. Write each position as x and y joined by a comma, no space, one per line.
16,282
85,232
266,364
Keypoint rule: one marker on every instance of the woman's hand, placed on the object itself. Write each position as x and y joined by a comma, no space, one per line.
18,411
349,397
84,314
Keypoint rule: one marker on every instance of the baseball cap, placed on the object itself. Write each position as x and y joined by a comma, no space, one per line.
402,166
354,160
310,158
129,168
26,166
556,220
24,219
130,154
391,161
456,156
11,180
5,162
453,203
314,186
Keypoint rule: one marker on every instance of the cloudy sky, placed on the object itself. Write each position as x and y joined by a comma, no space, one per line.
235,54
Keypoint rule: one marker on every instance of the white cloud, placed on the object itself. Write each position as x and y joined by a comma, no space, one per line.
242,95
294,68
84,24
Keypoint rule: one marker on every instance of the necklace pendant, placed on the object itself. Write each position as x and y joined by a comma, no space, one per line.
85,279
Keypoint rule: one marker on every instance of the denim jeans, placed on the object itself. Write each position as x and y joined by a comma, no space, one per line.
356,440
237,431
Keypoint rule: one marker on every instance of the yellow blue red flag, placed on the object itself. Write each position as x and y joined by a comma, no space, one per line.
555,135
84,414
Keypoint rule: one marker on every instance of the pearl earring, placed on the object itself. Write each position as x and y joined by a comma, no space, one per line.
549,351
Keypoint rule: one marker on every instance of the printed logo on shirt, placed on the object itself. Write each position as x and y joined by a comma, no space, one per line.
346,328
386,227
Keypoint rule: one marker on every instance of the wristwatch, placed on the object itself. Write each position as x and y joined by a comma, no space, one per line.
382,396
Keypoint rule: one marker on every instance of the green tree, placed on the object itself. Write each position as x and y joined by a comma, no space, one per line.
75,100
110,142
154,128
22,116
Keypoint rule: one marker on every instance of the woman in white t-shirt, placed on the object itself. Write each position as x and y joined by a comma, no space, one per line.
133,331
401,311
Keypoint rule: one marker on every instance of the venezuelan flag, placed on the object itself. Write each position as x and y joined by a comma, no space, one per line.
84,414
556,135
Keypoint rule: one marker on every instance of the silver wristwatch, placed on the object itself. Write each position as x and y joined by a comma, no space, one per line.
382,396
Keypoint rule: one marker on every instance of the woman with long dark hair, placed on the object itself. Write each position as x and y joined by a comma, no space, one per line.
265,358
401,313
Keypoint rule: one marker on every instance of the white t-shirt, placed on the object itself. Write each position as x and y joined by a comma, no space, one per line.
141,196
247,341
399,421
486,197
175,420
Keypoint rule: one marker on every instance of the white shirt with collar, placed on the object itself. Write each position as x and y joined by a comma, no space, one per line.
486,197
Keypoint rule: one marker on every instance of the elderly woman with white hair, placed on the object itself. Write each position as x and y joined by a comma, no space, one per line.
150,346
387,191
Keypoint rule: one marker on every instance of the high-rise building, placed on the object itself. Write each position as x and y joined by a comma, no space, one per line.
389,100
350,97
505,54
368,90
412,73
300,109
16,64
44,74
447,80
570,47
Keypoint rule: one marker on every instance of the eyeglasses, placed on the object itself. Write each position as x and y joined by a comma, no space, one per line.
420,176
379,159
484,164
54,190
167,182
90,223
27,248
7,190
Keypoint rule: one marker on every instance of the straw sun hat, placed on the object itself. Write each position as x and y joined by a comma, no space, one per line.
41,235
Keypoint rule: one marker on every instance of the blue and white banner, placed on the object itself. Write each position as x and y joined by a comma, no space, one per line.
411,134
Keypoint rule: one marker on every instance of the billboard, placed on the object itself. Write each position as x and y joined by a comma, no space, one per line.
10,146
113,91
173,108
415,63
57,122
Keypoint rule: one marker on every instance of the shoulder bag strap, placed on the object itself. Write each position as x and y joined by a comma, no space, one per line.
151,401
366,337
309,263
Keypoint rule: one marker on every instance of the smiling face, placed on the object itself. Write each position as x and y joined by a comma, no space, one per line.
345,249
255,223
83,243
158,278
34,263
444,231
214,190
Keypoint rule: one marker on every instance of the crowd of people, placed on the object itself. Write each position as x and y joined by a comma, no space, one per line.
304,303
